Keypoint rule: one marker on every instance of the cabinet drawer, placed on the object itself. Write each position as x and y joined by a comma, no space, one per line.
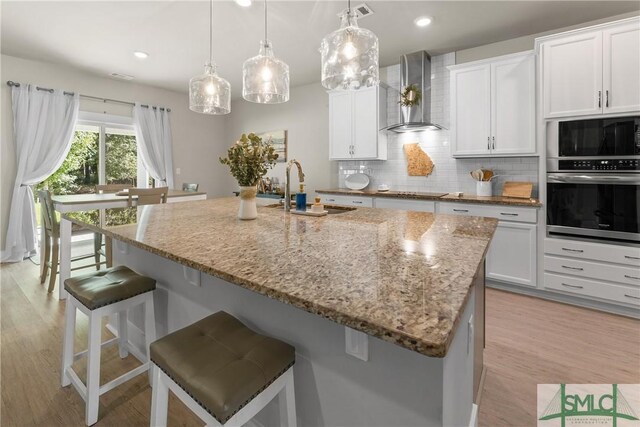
594,270
409,205
503,213
341,200
589,288
594,251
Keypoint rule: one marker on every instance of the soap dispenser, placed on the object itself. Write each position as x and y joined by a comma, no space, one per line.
301,199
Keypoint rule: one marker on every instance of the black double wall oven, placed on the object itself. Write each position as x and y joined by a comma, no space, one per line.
593,179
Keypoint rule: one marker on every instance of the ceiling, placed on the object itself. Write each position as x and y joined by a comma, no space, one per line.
100,37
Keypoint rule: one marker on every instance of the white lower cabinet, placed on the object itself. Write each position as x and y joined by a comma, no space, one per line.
596,271
512,254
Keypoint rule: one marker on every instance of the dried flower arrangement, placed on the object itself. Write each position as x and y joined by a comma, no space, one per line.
249,159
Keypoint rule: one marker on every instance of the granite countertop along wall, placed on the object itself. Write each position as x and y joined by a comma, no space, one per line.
401,276
442,197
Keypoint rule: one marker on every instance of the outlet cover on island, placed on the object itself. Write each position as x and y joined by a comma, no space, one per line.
178,171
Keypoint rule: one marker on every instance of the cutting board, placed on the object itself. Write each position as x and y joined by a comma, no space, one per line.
520,190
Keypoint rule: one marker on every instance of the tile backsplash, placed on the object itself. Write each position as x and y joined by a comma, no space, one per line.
448,174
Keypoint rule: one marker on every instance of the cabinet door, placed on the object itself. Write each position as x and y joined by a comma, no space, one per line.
513,106
621,68
512,254
572,75
470,110
340,125
365,123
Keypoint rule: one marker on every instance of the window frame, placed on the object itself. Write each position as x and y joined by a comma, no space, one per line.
111,121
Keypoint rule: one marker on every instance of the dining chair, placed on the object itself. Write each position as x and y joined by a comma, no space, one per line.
148,196
51,234
97,237
189,187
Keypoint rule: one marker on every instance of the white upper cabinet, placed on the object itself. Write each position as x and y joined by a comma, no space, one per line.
572,75
621,72
513,106
470,105
591,71
355,119
493,107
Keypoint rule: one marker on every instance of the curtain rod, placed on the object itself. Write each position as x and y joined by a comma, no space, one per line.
94,98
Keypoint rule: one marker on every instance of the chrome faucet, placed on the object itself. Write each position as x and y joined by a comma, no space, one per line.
287,187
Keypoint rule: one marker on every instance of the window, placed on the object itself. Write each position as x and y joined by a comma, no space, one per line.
103,151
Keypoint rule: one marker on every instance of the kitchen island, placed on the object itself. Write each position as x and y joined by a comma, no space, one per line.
384,307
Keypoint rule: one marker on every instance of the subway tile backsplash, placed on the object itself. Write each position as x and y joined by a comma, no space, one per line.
448,174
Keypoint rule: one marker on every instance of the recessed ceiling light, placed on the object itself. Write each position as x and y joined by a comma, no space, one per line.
140,54
423,21
243,3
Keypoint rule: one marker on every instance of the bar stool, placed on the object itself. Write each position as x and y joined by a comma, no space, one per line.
99,294
223,371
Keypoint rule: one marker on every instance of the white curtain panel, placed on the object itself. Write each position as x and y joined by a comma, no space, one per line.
43,124
153,132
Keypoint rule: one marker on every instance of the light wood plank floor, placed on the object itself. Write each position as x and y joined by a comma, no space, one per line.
529,341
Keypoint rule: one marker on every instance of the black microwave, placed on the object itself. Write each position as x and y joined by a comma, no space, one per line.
616,137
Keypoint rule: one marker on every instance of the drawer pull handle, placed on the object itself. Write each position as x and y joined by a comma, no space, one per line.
631,277
331,200
573,268
631,296
573,250
461,210
571,286
508,214
357,201
631,257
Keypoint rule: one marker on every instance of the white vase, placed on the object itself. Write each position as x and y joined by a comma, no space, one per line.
248,208
483,188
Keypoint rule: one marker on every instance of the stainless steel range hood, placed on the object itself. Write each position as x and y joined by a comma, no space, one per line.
415,69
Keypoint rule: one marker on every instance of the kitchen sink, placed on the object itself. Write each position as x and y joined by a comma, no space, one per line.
331,210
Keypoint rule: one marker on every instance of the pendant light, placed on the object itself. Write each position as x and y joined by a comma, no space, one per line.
265,79
349,56
210,93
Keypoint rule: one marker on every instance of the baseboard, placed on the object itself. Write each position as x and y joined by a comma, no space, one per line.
481,385
566,299
473,421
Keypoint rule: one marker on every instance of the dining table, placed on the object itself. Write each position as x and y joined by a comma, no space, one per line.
85,202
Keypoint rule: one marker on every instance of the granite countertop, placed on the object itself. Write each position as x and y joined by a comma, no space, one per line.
493,200
401,276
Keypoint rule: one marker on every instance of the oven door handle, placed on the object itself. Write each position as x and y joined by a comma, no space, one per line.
594,179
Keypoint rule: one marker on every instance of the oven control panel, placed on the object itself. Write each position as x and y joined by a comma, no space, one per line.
600,165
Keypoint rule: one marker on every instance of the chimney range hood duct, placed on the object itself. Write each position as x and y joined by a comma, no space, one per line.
415,69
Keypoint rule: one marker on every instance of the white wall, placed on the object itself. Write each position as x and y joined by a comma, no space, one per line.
306,117
198,139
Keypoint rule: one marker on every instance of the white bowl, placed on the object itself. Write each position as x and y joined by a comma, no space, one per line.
357,181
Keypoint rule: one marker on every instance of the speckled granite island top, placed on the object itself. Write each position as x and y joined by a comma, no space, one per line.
436,196
403,277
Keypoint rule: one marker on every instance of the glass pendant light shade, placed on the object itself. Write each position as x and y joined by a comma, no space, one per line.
349,56
209,93
265,78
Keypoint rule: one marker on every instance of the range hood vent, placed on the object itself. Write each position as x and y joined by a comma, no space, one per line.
415,69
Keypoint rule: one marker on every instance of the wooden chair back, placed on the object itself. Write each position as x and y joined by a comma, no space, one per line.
189,187
148,196
48,213
112,188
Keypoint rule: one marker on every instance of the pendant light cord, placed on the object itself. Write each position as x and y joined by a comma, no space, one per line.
210,31
265,24
349,12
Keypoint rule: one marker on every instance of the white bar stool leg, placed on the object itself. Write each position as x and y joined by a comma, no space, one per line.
123,336
93,369
159,398
68,340
149,332
287,400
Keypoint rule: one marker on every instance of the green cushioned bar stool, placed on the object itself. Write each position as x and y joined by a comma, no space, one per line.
100,294
223,371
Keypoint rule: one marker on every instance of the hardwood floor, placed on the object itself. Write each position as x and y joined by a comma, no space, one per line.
529,341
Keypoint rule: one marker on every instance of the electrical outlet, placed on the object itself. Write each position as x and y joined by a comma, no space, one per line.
178,171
